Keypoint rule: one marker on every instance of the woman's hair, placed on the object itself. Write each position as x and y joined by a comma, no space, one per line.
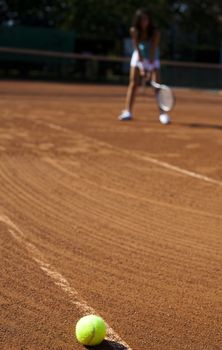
137,22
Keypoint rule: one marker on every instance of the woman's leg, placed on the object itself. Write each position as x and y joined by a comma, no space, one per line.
156,75
131,93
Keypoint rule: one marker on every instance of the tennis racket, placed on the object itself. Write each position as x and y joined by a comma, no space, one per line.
165,97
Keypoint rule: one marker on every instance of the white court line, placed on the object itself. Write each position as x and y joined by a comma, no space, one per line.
146,158
179,170
60,281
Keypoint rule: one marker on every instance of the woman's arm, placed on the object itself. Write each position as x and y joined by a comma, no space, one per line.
135,40
155,41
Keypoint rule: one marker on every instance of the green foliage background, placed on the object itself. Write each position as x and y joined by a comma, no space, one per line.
111,18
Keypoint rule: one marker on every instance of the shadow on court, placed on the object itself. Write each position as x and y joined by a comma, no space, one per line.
107,345
203,126
187,125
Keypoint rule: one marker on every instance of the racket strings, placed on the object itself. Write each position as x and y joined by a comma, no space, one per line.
166,99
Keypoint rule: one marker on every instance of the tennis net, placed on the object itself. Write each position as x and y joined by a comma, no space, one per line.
37,64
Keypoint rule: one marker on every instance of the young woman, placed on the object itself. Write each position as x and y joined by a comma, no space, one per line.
145,59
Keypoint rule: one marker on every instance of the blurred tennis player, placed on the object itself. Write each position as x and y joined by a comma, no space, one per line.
145,60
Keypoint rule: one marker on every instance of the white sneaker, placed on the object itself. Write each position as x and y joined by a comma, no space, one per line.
125,115
164,118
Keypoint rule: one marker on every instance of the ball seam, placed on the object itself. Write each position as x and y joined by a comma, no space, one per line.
93,335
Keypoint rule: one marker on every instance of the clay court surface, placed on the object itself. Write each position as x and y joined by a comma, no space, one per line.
125,216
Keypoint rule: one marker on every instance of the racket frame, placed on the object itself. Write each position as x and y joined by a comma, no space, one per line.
158,86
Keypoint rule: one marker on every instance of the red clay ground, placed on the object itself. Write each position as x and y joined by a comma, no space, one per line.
141,243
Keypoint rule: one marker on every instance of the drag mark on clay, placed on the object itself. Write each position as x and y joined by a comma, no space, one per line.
152,160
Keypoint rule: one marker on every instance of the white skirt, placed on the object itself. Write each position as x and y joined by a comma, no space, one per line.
145,64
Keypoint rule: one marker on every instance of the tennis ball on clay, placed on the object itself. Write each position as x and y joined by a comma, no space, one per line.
90,330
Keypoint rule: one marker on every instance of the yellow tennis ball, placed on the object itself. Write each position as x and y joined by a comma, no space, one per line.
90,330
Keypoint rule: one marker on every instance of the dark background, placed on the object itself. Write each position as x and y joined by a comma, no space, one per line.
191,31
